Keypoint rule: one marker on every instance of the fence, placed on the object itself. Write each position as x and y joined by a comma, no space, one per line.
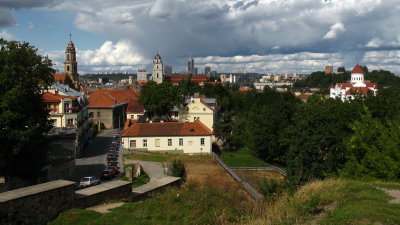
245,185
277,169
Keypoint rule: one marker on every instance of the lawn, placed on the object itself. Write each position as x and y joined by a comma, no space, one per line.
242,158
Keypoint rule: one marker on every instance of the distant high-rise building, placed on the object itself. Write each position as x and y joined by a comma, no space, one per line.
158,73
195,71
141,74
207,70
329,69
168,70
191,65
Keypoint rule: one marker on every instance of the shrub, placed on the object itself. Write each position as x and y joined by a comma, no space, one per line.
270,189
178,169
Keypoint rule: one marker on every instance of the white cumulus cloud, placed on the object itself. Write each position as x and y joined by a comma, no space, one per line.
334,31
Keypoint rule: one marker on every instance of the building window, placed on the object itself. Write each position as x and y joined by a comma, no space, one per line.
66,106
90,114
169,142
180,141
132,117
132,143
54,122
70,121
204,109
145,143
98,114
202,141
176,114
190,143
157,142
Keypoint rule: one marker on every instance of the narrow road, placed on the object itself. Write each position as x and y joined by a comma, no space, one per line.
93,159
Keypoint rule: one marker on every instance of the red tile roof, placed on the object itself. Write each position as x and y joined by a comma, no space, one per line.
357,69
49,97
110,97
344,85
195,78
128,123
167,129
135,107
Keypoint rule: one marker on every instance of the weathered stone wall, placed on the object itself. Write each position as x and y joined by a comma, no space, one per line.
36,204
115,190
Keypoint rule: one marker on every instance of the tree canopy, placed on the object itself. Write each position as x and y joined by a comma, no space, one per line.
160,99
23,116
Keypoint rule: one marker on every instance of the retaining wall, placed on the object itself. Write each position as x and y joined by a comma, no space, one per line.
36,204
115,190
253,193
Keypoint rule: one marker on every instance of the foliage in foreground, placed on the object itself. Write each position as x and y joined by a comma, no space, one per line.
332,201
23,115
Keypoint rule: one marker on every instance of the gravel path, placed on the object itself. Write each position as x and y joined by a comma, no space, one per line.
394,193
105,207
155,170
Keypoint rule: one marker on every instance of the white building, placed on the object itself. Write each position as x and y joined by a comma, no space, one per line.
357,85
141,74
158,73
177,137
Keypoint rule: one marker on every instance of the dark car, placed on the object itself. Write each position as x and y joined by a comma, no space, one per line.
107,174
110,158
112,163
114,169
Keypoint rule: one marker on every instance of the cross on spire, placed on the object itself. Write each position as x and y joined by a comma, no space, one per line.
70,36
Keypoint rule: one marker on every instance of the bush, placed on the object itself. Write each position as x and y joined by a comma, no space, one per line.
178,169
270,189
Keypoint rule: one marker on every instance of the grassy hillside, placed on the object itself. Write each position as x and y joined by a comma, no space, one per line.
332,201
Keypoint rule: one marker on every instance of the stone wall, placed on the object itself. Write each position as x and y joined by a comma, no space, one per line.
115,190
36,204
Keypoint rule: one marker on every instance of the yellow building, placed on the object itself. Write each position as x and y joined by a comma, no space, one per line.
64,110
197,108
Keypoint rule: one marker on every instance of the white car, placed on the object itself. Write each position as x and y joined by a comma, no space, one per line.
89,181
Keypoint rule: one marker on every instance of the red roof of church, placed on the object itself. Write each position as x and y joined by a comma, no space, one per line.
167,129
195,78
357,69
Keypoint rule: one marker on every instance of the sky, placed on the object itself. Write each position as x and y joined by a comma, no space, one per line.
264,36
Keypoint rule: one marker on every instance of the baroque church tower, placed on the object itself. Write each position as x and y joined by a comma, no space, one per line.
158,73
70,64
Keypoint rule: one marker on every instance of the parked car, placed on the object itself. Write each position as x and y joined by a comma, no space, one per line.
112,155
107,174
112,163
112,152
114,169
89,181
111,158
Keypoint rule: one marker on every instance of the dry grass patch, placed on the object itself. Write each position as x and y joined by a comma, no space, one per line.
254,177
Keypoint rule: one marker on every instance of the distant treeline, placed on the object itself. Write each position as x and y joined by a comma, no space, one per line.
111,77
324,81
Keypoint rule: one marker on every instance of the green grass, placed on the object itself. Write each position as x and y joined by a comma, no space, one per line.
139,181
191,204
332,201
155,157
241,158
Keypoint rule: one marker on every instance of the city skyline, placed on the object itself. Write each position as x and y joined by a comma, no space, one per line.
229,36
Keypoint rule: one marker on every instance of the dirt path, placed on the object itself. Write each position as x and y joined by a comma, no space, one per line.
394,193
155,170
105,207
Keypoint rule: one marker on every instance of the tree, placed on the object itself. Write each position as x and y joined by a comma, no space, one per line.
341,69
160,99
223,128
23,115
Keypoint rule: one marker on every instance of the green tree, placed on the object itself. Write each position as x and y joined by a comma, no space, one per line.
160,99
316,147
223,128
23,115
341,69
373,149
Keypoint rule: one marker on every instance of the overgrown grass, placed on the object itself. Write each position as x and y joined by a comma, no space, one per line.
335,202
242,158
192,204
332,201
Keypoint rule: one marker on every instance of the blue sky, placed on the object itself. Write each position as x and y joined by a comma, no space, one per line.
265,36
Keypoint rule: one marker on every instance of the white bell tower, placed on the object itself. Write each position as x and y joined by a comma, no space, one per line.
158,73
